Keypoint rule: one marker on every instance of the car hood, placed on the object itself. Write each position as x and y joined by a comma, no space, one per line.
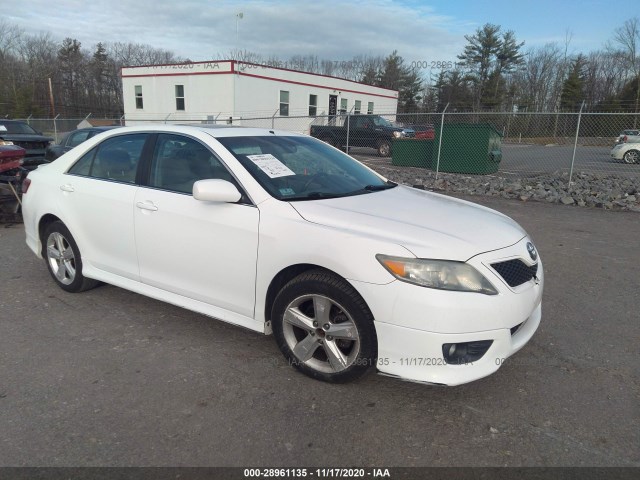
17,137
428,224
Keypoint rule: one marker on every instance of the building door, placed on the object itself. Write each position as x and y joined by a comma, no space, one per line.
333,108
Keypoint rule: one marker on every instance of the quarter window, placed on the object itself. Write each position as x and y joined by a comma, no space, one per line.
179,97
178,162
284,103
139,103
313,105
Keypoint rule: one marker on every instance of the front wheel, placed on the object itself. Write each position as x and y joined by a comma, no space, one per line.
384,148
632,156
63,259
324,328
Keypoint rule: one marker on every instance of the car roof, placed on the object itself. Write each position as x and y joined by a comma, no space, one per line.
216,131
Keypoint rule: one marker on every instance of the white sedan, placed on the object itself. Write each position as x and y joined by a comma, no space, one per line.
627,152
283,234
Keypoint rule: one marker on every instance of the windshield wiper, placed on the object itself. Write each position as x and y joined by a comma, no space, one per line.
313,196
377,188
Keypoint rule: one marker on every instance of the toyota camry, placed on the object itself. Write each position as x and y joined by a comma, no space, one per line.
286,235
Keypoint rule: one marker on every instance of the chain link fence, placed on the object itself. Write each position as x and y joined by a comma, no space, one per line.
508,144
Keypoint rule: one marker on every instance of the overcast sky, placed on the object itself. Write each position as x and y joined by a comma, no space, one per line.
331,29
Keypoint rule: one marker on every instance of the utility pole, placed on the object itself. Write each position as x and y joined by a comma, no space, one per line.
53,106
239,16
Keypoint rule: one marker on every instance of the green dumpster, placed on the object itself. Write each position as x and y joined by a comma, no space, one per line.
413,152
469,148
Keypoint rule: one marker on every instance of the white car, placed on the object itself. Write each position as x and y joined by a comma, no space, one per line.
627,152
628,136
284,234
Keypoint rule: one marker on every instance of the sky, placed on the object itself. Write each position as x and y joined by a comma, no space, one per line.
426,31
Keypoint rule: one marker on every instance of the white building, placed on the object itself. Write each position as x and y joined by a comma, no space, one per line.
218,91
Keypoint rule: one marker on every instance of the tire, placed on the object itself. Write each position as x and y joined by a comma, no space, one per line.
338,346
631,156
384,148
63,259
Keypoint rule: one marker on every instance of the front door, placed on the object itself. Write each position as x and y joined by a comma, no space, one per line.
205,251
333,108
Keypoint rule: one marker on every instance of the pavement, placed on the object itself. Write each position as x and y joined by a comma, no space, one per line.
112,378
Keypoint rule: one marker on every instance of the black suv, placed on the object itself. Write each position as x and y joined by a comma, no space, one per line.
23,135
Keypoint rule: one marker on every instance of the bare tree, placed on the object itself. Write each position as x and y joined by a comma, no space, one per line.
628,38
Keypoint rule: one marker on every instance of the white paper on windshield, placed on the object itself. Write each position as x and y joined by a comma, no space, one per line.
270,165
3,128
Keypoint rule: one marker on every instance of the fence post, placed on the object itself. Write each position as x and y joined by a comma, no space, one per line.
575,143
166,118
348,126
273,118
440,140
55,128
122,121
29,119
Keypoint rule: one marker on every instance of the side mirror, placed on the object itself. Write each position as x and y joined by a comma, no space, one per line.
214,190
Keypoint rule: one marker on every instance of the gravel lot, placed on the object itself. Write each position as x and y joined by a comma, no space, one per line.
109,377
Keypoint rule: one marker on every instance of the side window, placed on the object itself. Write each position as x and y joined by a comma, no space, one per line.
178,162
118,157
83,166
77,138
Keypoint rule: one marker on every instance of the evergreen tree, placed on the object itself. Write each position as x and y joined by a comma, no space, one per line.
489,55
573,87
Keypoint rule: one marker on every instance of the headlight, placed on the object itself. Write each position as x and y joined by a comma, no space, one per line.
397,134
440,274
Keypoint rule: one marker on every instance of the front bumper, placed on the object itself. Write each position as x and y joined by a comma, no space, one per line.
413,323
416,355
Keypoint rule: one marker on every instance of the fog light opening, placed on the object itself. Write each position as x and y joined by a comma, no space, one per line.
465,352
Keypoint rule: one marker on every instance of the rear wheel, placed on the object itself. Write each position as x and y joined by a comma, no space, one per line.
63,259
324,328
384,148
631,156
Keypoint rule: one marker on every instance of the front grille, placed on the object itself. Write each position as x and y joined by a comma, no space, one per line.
30,145
516,328
515,272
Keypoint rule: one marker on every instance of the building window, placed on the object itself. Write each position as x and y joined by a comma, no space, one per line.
284,103
370,108
179,97
313,105
357,107
139,96
343,105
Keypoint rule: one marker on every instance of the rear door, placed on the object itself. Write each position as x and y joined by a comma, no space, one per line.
97,197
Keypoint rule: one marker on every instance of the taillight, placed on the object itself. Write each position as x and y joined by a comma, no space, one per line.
25,185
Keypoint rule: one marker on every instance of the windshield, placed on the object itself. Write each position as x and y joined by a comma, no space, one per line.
11,127
302,168
381,122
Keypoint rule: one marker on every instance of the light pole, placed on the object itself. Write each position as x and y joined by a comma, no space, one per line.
239,16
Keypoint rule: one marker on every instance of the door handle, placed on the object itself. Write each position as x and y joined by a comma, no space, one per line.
67,188
147,206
